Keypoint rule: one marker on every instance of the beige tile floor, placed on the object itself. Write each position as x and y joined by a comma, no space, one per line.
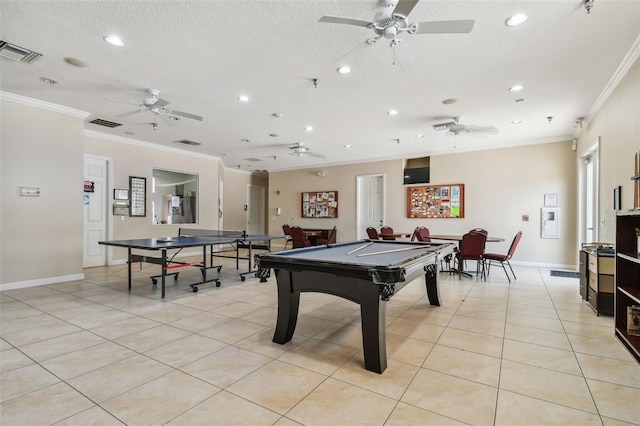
526,353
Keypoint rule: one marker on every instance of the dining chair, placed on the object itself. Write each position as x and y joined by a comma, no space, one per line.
372,233
421,233
298,238
480,230
503,258
330,237
385,231
287,235
472,248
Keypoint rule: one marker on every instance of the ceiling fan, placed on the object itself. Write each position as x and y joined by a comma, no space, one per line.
301,150
455,128
153,103
397,22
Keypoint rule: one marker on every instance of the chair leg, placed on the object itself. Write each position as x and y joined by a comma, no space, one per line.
505,271
514,275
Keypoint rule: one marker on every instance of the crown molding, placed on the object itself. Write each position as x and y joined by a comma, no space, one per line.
36,103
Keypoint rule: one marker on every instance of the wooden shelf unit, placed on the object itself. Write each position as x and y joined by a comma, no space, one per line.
597,280
627,277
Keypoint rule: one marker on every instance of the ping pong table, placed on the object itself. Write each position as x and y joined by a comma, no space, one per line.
186,238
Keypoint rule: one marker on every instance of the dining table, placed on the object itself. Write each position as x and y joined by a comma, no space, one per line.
394,235
458,238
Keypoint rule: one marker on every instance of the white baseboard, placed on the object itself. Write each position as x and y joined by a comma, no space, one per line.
544,265
42,281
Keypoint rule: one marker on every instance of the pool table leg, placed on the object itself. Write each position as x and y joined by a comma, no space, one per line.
373,312
288,305
431,281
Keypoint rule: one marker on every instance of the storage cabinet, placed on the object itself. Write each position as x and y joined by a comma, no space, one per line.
627,290
597,280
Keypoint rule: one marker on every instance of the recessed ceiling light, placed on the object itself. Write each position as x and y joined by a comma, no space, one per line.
274,135
308,128
114,40
516,122
245,140
515,20
516,88
243,98
276,115
419,136
392,112
449,101
347,146
344,69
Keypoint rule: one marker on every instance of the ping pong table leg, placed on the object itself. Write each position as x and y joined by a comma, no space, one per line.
164,269
129,268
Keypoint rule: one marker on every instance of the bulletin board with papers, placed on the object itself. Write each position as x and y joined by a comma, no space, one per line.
435,201
320,204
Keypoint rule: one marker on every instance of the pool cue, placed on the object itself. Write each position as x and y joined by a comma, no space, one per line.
365,245
394,250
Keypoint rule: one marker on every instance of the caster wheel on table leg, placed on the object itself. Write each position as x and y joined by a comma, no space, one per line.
154,281
218,284
195,289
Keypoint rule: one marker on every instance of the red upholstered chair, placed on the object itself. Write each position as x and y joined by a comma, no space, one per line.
421,233
385,231
298,237
480,231
372,233
503,258
472,248
287,233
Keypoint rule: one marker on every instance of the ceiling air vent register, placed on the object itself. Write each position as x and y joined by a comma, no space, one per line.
17,53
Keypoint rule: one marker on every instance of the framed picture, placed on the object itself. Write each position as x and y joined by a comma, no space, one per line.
138,196
120,194
616,198
551,200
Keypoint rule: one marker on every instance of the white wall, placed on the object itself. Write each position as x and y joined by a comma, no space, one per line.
501,185
40,237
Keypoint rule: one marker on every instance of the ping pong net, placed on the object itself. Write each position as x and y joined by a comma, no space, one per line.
222,233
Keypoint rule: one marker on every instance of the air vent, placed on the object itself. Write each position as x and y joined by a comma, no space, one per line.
101,122
253,160
17,53
188,142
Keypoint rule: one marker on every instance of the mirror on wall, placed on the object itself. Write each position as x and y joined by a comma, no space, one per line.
175,197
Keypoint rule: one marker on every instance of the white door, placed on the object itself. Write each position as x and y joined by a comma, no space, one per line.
255,209
370,204
95,212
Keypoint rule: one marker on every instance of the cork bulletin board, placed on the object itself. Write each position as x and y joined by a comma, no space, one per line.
435,201
320,204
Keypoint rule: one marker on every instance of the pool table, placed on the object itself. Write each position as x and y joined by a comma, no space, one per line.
366,272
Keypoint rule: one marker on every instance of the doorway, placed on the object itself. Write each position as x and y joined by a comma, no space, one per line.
255,209
370,204
96,211
589,176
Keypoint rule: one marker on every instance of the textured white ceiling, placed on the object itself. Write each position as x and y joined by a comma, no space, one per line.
202,54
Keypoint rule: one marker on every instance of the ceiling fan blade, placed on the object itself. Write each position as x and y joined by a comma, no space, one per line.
404,7
445,27
184,114
487,130
402,56
311,154
345,21
161,103
444,126
126,114
353,53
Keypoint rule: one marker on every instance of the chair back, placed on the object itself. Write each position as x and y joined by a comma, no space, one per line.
286,229
385,231
298,238
514,244
372,233
421,233
473,246
479,231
